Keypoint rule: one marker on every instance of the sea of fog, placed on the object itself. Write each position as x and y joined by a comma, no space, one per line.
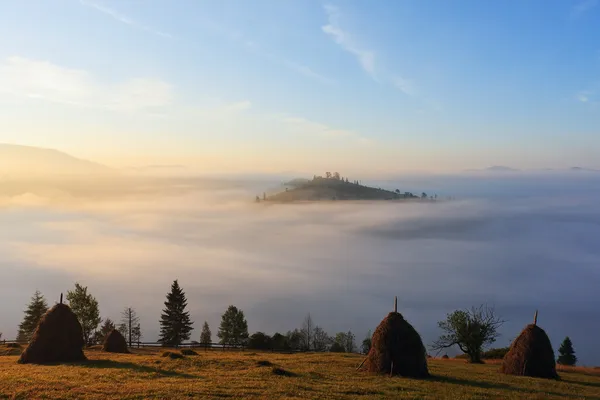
519,243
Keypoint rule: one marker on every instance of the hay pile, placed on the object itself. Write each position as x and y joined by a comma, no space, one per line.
57,338
115,343
397,349
531,354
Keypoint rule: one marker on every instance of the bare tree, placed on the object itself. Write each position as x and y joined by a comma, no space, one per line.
307,332
129,322
321,339
470,330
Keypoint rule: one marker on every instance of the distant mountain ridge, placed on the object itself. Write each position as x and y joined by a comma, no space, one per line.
18,160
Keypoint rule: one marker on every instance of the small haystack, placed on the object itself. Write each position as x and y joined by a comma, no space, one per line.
531,354
115,343
57,338
397,349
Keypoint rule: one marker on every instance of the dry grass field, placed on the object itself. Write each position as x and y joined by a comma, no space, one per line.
253,375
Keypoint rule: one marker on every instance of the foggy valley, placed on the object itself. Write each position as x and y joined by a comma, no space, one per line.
533,247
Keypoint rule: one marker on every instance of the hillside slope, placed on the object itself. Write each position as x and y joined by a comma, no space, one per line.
320,189
16,161
252,375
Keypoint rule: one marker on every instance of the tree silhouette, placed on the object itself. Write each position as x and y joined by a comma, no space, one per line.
234,327
129,320
470,330
567,353
206,335
175,323
36,309
85,306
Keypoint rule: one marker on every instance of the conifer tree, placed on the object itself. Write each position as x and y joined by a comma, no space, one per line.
206,335
175,323
234,327
36,309
567,353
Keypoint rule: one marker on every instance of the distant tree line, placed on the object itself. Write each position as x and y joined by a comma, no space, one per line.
470,330
176,326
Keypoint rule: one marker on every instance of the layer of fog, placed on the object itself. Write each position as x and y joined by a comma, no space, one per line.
517,244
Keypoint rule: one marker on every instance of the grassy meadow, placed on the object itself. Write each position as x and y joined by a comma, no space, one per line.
145,374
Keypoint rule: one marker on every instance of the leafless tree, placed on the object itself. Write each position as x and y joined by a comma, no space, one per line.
307,332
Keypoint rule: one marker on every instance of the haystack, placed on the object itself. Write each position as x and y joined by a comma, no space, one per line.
397,349
57,338
531,354
115,342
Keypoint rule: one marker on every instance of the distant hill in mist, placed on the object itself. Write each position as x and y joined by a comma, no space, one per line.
17,161
320,189
494,168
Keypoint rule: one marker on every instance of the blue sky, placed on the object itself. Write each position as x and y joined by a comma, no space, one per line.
270,85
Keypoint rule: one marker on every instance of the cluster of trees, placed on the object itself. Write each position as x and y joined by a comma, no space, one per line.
469,330
335,176
472,330
85,306
310,337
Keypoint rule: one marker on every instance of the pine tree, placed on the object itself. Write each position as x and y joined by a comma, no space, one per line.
567,353
206,335
175,323
36,308
234,327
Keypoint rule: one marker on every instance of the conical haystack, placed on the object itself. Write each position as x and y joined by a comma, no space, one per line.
531,354
397,349
57,338
115,343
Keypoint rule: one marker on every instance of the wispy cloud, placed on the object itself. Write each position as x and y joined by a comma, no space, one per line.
404,85
254,47
44,81
123,18
365,57
583,7
316,128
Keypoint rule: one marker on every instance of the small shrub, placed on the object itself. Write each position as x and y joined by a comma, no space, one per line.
188,352
445,357
172,355
282,372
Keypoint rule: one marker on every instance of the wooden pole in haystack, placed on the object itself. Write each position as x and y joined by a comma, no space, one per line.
395,304
61,295
535,317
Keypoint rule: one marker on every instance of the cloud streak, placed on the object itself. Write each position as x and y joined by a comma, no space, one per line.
365,57
124,19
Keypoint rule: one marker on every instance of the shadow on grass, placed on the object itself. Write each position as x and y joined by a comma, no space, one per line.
590,384
503,386
132,367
